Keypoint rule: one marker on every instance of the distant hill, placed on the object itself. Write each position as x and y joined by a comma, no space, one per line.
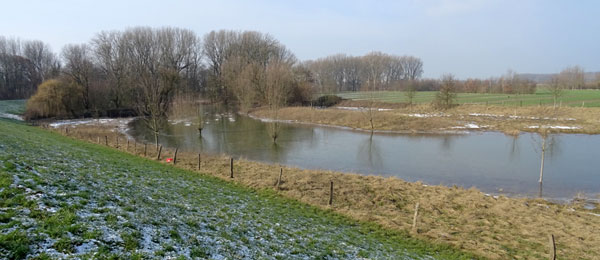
543,78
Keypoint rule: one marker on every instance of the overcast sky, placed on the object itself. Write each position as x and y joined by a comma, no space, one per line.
469,38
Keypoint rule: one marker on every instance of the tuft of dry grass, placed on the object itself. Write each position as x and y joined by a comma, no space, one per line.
494,227
424,118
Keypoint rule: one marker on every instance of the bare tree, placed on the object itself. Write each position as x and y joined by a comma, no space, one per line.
79,67
556,88
279,77
374,70
447,94
572,77
410,92
23,66
158,59
42,57
110,50
217,49
413,67
243,78
545,143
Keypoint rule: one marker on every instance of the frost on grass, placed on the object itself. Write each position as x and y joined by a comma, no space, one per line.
83,201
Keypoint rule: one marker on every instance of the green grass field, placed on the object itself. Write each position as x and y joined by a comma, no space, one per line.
62,198
16,107
577,98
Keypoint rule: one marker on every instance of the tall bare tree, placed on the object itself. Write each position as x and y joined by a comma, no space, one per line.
158,58
42,57
374,68
110,49
80,68
278,79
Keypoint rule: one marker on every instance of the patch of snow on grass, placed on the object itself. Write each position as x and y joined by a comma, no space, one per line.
561,127
118,122
11,116
468,126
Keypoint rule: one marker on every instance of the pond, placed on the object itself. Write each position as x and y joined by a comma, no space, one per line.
492,162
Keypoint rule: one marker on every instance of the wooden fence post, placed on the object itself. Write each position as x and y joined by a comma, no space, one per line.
106,140
414,224
159,151
199,161
231,168
552,248
330,193
145,148
279,180
117,142
127,149
175,156
98,139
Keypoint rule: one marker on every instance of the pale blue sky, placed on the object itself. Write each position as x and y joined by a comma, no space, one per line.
469,38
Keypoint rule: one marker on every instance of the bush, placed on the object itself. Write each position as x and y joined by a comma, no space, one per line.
54,98
327,101
301,93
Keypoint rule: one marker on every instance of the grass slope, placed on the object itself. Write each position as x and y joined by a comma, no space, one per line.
577,98
63,198
12,107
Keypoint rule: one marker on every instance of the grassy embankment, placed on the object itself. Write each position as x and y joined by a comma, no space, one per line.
424,118
493,227
12,107
62,198
572,98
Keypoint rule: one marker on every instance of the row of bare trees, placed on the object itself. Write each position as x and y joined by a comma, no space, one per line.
349,73
253,68
23,66
136,69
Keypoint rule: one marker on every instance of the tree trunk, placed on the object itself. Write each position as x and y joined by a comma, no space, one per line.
156,140
543,154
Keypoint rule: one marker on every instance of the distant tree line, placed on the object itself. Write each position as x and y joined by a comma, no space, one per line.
23,66
373,71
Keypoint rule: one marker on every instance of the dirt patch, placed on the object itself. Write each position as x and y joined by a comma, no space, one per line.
491,226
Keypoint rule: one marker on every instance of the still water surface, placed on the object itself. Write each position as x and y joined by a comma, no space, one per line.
491,161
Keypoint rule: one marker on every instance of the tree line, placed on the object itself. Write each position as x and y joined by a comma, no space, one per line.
140,70
373,71
24,65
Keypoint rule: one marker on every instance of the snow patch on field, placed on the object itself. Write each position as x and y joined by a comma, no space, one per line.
520,117
470,126
11,116
363,108
561,127
118,122
426,115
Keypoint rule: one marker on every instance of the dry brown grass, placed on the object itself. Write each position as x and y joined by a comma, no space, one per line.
493,227
505,119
